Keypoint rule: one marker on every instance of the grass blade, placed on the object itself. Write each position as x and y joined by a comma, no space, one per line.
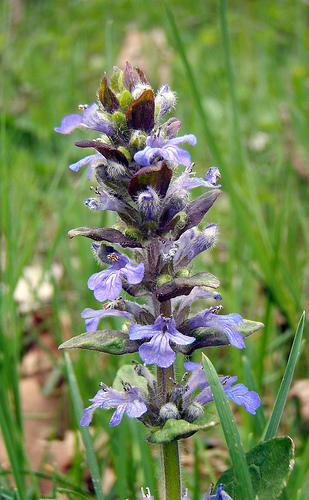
279,405
230,431
78,408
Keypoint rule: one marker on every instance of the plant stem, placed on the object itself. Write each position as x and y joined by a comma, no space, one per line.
169,452
171,470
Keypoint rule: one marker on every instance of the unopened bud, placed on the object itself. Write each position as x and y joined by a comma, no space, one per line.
148,203
124,100
169,410
119,121
163,279
193,411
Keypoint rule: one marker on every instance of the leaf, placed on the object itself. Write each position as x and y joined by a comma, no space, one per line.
157,176
140,112
210,337
104,234
107,97
132,77
270,463
109,152
199,207
180,429
109,341
183,286
126,373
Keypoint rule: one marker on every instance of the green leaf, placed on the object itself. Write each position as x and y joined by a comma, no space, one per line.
109,341
183,286
104,234
270,463
230,431
126,373
209,337
180,429
286,382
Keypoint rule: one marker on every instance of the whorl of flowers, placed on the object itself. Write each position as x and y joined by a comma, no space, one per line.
148,253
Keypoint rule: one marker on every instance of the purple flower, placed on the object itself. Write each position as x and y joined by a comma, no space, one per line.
92,316
129,402
92,161
91,118
212,176
219,494
225,323
238,393
158,350
157,148
165,101
192,242
107,284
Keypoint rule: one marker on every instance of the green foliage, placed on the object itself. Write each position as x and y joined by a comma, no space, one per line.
270,464
180,429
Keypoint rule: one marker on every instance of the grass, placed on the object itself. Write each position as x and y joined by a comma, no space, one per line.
241,74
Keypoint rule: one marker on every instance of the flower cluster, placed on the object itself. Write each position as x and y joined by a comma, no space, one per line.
148,253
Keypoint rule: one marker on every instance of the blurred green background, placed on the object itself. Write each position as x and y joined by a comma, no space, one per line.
241,75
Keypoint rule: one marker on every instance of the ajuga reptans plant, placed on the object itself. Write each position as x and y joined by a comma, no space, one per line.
145,176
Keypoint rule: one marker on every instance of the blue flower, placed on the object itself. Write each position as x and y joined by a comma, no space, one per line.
165,101
129,402
158,148
158,350
225,323
212,176
107,284
239,393
91,160
91,118
92,316
219,494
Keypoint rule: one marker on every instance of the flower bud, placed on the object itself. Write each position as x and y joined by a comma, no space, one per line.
137,141
165,101
119,121
193,411
183,273
148,203
132,233
115,82
163,279
124,100
169,410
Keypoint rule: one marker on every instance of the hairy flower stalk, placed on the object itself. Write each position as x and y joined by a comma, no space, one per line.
144,174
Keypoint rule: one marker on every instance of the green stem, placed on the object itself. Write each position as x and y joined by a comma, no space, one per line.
171,470
169,452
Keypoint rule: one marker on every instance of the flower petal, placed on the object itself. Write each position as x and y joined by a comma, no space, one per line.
108,289
134,274
157,351
69,123
118,414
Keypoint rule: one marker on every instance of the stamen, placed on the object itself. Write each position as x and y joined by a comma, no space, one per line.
113,257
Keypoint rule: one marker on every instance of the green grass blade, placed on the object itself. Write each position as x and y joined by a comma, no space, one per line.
194,89
275,417
78,408
230,431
